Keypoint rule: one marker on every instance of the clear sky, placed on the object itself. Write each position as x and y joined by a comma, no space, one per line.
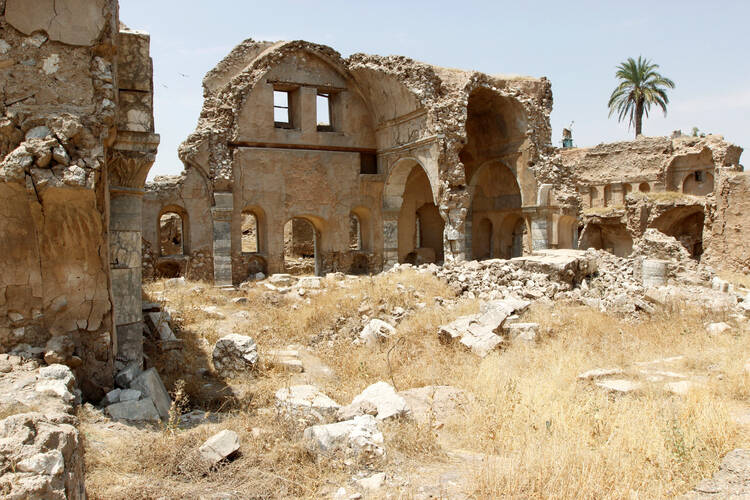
702,45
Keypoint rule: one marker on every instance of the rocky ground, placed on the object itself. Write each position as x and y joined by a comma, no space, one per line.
558,374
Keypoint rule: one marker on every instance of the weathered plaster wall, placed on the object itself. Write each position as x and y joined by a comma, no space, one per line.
59,152
726,244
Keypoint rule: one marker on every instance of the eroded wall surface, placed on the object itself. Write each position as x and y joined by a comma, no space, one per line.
59,115
727,245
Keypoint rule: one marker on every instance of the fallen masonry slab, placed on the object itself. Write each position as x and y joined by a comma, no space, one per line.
523,331
288,360
356,437
234,355
565,266
374,332
220,446
141,410
150,385
306,399
599,373
381,399
619,385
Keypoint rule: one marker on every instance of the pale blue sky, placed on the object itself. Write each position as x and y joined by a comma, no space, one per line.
703,46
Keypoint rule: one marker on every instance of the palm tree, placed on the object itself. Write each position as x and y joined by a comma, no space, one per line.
640,87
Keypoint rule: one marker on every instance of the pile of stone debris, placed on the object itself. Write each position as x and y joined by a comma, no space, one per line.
627,285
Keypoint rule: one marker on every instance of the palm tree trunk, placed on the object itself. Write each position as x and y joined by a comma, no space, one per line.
638,117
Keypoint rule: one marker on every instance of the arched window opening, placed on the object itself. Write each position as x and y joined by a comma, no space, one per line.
644,187
250,234
171,234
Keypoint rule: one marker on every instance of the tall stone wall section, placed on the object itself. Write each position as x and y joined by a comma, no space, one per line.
727,245
60,151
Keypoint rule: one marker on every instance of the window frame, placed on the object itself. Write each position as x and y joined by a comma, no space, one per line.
328,95
289,124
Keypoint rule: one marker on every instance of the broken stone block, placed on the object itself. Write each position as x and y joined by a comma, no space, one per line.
619,385
125,376
599,373
175,282
234,355
374,332
380,395
158,323
310,282
141,410
219,446
58,372
55,388
212,312
306,399
281,280
59,349
357,437
717,328
51,463
523,331
151,386
372,483
111,397
288,360
681,388
130,395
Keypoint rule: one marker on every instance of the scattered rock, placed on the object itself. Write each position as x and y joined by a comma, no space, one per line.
381,396
358,436
142,411
306,399
523,331
717,328
150,385
234,355
374,332
599,373
619,385
681,388
220,446
372,483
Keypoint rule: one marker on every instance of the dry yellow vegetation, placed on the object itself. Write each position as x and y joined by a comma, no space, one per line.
541,433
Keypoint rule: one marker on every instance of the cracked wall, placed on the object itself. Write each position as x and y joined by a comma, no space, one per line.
60,110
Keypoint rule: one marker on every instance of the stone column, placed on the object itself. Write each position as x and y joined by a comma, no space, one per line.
539,231
454,234
221,213
129,163
390,239
125,269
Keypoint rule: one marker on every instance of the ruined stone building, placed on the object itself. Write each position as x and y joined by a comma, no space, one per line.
364,162
382,159
668,184
76,143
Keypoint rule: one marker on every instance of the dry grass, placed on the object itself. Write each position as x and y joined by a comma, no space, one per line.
554,436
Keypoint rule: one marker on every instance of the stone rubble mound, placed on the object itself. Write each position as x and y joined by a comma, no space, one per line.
40,445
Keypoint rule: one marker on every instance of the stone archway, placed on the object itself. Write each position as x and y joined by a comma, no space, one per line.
495,196
408,202
686,225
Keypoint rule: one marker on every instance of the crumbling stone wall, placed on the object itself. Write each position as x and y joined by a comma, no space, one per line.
726,244
66,136
662,183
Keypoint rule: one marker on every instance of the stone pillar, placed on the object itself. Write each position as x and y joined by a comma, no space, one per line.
454,234
128,164
221,213
390,239
539,231
618,194
125,269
